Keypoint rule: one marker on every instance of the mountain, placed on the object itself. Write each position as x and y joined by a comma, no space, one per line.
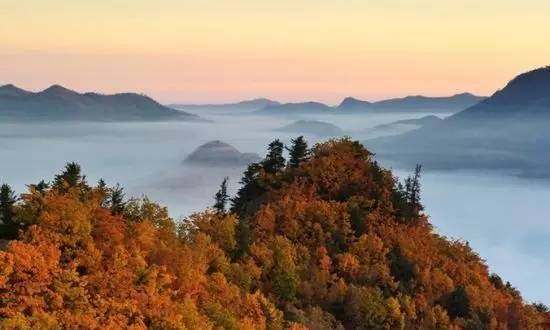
295,108
526,95
245,106
11,90
350,103
508,130
218,153
419,122
448,104
417,103
312,127
60,103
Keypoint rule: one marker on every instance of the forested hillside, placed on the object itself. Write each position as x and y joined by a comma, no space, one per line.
324,240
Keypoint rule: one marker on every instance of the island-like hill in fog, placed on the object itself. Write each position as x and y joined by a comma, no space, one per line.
60,103
218,153
312,127
508,130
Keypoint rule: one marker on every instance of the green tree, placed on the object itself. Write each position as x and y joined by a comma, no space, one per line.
412,193
249,190
8,228
274,160
298,151
116,199
70,177
458,304
7,201
221,197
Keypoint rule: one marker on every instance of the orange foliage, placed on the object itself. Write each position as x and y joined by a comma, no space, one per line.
326,249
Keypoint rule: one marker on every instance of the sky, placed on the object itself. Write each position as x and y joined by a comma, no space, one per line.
221,51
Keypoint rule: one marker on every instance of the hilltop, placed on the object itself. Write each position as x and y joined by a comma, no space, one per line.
60,103
328,240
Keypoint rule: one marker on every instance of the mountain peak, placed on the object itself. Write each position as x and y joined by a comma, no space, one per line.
12,90
58,90
350,102
528,92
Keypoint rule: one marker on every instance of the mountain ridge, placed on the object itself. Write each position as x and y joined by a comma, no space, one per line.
60,103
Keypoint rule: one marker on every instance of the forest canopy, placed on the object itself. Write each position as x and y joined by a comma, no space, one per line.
327,239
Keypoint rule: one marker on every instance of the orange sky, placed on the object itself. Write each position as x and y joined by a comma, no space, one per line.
217,51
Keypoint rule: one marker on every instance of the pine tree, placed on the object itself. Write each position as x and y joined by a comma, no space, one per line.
412,193
458,304
8,227
116,199
221,197
250,188
7,201
70,177
274,160
298,151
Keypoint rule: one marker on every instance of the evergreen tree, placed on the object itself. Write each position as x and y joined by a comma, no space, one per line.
250,189
458,304
298,151
116,199
274,160
70,177
412,193
8,227
7,201
221,197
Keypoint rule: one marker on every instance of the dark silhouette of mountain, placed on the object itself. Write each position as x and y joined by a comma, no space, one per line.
350,103
406,104
11,90
526,95
218,153
312,127
414,104
60,103
296,108
248,105
509,130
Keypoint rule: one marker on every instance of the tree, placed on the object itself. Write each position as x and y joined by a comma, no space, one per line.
7,200
249,190
412,192
458,304
274,160
116,199
70,177
221,197
8,228
298,151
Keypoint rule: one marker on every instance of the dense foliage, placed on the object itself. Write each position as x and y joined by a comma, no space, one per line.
329,240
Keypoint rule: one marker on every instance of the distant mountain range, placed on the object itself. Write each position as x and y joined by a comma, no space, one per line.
246,106
60,103
417,103
508,130
449,104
